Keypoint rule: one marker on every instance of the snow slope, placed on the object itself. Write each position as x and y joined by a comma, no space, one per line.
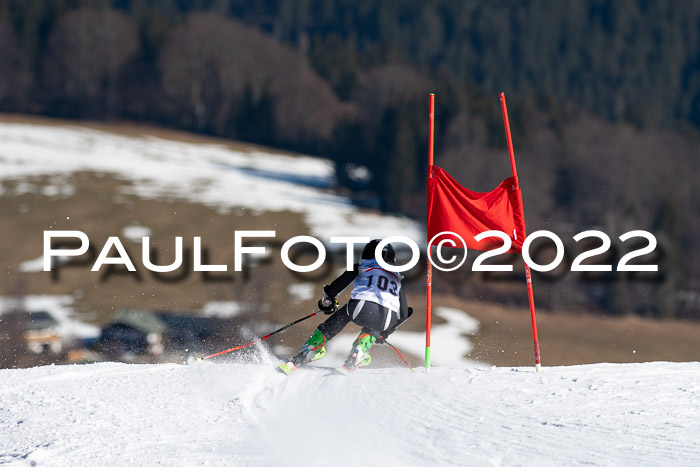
248,414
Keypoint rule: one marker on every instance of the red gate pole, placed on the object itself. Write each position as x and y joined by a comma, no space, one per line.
528,276
429,276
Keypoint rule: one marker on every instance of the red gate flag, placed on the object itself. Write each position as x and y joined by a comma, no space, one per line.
453,208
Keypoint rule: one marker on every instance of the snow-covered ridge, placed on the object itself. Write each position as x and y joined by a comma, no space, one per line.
248,414
211,174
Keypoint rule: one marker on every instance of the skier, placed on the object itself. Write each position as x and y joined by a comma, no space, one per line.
377,303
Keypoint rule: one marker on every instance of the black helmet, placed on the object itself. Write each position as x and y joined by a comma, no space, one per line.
388,253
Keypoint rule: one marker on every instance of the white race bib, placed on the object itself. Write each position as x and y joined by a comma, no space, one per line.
377,285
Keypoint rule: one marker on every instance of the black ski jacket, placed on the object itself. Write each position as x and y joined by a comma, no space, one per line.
345,279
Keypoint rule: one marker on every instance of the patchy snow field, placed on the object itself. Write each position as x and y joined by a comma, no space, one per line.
249,414
211,174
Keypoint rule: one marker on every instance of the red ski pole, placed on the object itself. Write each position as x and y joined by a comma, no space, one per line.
260,339
399,353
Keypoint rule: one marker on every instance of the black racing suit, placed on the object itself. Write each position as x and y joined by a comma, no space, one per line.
374,318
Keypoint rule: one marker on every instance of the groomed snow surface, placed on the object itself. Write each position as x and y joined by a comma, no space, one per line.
238,413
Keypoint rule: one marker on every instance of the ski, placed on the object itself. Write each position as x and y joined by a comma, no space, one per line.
288,368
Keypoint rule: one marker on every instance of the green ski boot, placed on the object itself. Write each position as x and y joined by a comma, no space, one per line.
359,355
366,360
312,350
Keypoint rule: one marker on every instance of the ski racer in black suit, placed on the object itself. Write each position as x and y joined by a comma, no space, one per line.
377,303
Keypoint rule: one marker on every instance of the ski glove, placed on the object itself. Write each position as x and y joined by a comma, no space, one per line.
328,305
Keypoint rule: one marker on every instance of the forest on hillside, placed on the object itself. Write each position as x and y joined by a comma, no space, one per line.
604,99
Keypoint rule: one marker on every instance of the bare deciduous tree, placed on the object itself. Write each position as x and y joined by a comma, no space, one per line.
307,108
209,62
85,54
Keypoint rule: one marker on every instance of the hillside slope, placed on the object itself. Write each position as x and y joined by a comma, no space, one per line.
245,413
210,173
134,182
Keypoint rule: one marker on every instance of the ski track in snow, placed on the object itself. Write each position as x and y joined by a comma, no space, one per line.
249,414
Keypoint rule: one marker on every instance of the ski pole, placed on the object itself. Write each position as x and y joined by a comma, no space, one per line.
399,353
262,338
